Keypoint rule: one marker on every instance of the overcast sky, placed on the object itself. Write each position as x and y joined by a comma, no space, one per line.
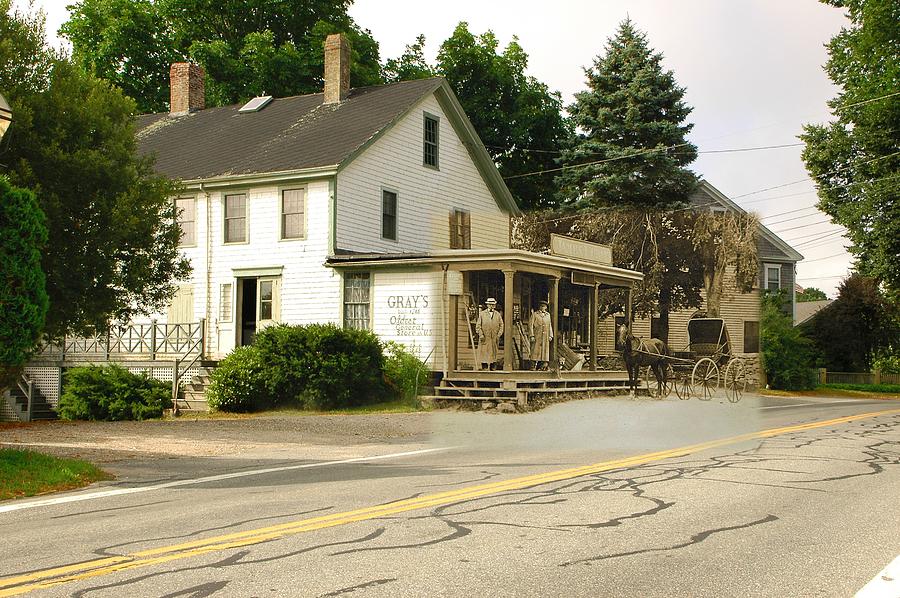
752,70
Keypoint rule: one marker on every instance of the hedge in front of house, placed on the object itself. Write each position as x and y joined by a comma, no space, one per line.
322,366
238,383
112,393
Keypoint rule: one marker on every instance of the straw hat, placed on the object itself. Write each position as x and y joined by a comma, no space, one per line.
491,301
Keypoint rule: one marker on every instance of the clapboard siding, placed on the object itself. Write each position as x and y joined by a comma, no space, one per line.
310,292
425,195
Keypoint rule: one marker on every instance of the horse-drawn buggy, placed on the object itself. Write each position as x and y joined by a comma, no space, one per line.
699,368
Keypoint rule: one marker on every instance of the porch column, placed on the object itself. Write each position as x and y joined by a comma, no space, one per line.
453,336
592,305
554,322
628,309
508,349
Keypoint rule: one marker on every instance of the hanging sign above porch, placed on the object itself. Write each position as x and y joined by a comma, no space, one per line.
580,250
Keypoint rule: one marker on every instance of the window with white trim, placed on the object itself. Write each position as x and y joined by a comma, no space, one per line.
236,218
773,277
293,206
186,208
356,300
388,215
431,129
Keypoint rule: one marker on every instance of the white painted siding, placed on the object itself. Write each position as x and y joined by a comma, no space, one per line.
406,308
310,292
425,195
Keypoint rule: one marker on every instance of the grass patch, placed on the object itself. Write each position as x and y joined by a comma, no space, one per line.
386,407
878,388
26,473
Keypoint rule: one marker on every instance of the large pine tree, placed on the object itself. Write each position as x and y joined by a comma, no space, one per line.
632,111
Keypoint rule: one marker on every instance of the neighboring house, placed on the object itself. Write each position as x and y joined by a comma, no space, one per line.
374,208
777,262
804,310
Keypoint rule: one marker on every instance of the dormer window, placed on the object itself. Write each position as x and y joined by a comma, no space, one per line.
430,145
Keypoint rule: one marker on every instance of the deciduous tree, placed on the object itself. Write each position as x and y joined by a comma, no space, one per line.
113,239
811,294
247,48
855,159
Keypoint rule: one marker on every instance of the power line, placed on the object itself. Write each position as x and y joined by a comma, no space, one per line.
790,212
819,259
869,101
718,151
784,230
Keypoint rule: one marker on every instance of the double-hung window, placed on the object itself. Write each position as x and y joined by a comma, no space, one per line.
460,230
293,206
388,215
236,218
356,300
430,146
773,277
186,208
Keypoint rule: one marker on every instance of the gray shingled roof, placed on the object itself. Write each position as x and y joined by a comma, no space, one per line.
289,134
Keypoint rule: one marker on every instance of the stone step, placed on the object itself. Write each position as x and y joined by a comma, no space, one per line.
193,404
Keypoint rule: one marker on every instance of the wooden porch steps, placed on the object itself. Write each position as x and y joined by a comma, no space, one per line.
512,387
193,394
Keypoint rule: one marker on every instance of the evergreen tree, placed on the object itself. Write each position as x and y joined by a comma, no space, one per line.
631,112
855,159
23,298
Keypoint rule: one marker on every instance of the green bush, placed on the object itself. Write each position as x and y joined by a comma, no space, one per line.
112,393
404,372
322,366
888,364
238,384
787,354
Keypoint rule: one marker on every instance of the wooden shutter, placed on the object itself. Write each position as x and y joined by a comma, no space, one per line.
467,230
454,237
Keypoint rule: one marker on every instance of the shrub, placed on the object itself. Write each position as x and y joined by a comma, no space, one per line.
404,373
238,384
112,393
884,388
322,366
888,364
787,355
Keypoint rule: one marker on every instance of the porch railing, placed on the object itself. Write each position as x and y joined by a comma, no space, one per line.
26,386
130,341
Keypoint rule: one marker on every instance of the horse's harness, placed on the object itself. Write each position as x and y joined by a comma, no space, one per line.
641,346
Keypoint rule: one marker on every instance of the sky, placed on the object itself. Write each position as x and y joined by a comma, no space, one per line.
752,70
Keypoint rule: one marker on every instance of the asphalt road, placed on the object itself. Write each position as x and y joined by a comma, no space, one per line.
612,497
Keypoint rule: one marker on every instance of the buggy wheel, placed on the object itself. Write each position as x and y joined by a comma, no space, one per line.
705,378
681,383
670,381
735,379
654,388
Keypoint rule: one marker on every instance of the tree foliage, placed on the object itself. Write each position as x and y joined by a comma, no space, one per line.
630,113
247,48
811,294
517,117
113,236
787,356
855,159
23,297
656,243
725,242
856,327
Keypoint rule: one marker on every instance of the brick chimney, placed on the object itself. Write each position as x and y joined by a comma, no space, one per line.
337,68
186,88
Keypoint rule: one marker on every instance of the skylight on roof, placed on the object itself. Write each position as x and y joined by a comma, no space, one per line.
256,104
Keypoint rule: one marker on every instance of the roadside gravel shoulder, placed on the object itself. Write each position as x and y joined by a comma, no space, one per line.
186,437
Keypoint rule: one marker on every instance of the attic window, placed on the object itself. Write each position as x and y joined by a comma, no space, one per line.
256,104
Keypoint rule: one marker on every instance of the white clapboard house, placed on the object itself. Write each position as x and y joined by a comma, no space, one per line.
375,208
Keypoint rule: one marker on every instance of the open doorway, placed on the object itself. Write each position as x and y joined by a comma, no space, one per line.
259,305
247,308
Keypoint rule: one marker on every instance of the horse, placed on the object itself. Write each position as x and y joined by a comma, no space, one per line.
638,352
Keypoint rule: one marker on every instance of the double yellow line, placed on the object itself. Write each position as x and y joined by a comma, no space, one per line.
47,578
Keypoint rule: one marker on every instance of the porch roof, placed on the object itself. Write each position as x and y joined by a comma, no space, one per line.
493,259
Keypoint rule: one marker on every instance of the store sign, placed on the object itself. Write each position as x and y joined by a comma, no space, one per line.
409,314
580,250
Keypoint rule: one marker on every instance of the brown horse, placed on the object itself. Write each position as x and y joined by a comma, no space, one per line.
638,352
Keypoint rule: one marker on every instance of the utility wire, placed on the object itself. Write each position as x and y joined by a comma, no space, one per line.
828,257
